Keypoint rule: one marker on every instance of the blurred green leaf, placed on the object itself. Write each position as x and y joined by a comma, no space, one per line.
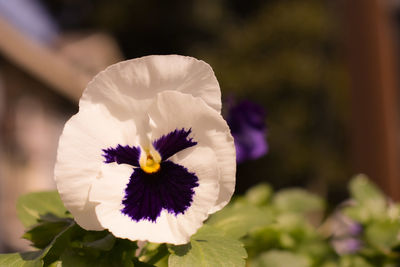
383,235
363,190
105,243
353,261
237,220
208,247
330,264
370,202
279,258
262,239
259,195
56,264
358,213
26,259
298,201
154,253
32,206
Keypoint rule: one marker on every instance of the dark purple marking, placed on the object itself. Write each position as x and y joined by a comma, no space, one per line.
171,188
122,154
173,142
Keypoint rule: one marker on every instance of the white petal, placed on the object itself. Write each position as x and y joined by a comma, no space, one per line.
109,192
173,110
79,157
121,86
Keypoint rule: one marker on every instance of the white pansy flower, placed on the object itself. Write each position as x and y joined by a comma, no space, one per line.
148,156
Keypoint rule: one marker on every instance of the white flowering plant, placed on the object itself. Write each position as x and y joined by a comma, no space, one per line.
146,169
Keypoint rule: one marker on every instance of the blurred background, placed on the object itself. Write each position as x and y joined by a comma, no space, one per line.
321,74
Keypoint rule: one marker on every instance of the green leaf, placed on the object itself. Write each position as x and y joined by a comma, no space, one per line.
353,261
237,220
153,253
208,247
32,206
363,190
60,243
122,255
259,195
278,258
26,259
105,243
33,258
298,201
56,264
330,264
43,234
383,235
370,201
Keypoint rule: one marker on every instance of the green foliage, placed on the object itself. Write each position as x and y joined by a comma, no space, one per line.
276,258
27,259
383,235
298,201
370,203
298,235
208,247
30,207
286,228
61,242
237,220
259,195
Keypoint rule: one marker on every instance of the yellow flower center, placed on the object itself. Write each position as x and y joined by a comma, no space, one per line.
150,160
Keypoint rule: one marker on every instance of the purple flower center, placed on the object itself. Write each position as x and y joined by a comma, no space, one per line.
170,188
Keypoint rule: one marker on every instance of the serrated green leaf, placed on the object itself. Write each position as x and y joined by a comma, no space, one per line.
208,247
298,201
32,206
26,259
259,195
237,221
279,258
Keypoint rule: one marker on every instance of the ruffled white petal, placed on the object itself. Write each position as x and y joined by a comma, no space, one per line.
79,157
121,86
173,110
109,192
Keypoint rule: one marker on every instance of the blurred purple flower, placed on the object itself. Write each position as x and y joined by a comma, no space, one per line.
348,245
247,122
346,234
31,18
355,228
